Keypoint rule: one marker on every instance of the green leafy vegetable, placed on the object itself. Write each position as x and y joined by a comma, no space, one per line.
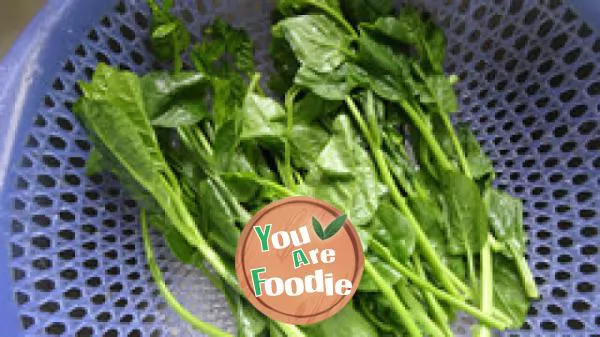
365,125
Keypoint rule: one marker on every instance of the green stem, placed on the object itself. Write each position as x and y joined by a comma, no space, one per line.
400,177
254,82
425,132
203,141
178,63
471,267
462,159
442,295
322,5
374,319
525,272
424,245
189,137
289,111
372,119
196,239
439,315
242,213
417,310
390,295
496,245
487,284
187,316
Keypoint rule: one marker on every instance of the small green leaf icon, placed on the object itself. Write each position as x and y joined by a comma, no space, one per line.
331,229
318,228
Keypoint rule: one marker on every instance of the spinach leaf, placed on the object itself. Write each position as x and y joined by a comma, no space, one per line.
224,49
412,29
285,63
311,107
228,96
181,114
291,7
387,272
316,41
213,208
93,165
169,37
467,218
479,163
162,89
391,228
307,141
260,117
509,294
332,85
113,110
439,93
345,176
506,218
347,322
251,323
365,10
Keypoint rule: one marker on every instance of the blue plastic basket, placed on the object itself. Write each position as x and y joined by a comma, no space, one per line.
71,259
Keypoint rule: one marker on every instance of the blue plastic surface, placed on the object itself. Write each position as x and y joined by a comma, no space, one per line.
25,75
71,262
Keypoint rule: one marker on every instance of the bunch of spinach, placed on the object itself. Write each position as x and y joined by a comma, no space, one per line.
364,124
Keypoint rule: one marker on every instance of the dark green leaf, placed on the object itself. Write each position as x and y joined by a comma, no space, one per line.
180,114
311,107
285,63
365,10
169,37
291,7
410,28
163,91
228,97
223,49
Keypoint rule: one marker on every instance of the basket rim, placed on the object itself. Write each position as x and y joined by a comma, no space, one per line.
26,72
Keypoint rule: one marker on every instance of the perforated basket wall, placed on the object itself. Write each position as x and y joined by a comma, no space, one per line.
529,88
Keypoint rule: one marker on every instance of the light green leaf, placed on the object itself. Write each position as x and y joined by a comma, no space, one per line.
316,40
164,30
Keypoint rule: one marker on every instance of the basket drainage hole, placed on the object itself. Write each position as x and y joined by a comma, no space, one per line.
554,309
575,324
56,328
